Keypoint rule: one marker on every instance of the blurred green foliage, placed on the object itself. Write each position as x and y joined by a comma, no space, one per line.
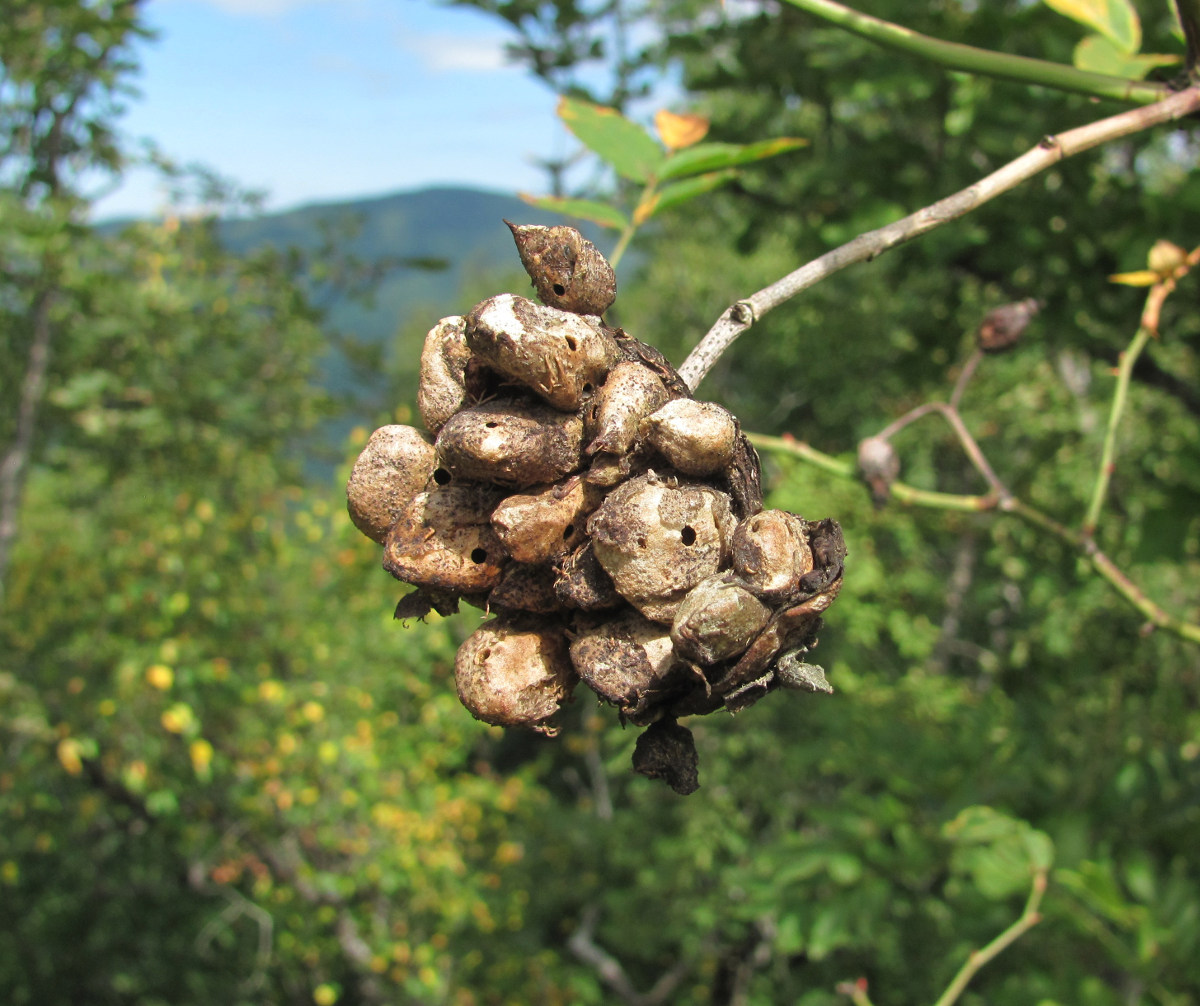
228,776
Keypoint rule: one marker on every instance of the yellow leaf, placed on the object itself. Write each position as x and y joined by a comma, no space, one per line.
1142,277
160,676
178,719
679,131
1115,19
201,753
70,755
645,209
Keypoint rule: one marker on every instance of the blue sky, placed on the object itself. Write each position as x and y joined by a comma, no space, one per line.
317,100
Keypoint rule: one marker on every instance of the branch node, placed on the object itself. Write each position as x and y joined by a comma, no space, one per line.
743,313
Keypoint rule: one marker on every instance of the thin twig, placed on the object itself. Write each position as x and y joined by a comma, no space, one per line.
583,945
1109,450
1101,563
965,375
1030,917
967,58
738,317
999,490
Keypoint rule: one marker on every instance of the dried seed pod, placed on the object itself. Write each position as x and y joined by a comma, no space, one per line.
443,540
717,620
562,357
608,470
394,466
514,674
771,553
643,353
794,673
829,556
622,659
567,270
582,583
790,628
543,525
525,588
667,751
879,465
511,442
442,389
1003,326
630,393
696,438
657,538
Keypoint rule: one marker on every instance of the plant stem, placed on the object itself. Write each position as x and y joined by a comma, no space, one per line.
1108,452
738,317
631,227
1154,613
956,56
1030,917
1147,330
999,491
968,371
622,244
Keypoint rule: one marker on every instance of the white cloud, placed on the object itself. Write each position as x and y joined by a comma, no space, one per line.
261,8
443,53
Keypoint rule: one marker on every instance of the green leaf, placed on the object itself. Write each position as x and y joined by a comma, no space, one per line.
716,156
679,192
632,152
1000,853
1115,19
1099,55
584,209
1097,887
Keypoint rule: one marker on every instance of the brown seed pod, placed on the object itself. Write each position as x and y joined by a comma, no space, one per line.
514,674
623,658
608,470
443,540
545,524
879,465
567,270
394,466
561,357
790,628
667,751
696,438
1003,326
525,588
511,442
771,553
717,620
658,537
582,583
630,393
829,556
444,358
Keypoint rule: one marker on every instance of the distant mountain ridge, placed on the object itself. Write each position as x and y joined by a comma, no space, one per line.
464,227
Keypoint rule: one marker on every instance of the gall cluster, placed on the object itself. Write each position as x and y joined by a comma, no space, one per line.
609,524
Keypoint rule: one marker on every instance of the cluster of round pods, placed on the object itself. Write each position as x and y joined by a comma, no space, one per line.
610,524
